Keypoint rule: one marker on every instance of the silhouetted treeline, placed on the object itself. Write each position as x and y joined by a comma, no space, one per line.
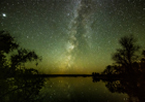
95,74
127,74
17,83
127,60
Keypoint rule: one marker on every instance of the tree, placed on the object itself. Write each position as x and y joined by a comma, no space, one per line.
7,42
143,53
17,83
18,59
126,55
108,71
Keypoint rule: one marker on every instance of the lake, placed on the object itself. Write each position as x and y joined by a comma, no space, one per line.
72,89
79,89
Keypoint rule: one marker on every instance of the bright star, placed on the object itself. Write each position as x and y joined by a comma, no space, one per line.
4,15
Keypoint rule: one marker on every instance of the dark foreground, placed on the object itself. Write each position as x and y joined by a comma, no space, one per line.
73,88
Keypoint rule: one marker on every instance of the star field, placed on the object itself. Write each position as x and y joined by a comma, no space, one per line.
73,36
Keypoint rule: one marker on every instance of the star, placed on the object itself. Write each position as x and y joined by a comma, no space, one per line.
68,14
4,15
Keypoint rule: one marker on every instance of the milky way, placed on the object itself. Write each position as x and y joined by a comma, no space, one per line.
79,32
73,36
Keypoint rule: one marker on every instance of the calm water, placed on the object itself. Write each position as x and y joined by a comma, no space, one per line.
79,89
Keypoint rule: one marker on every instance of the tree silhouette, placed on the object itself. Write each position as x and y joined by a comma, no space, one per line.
126,55
127,73
143,53
17,83
109,70
7,42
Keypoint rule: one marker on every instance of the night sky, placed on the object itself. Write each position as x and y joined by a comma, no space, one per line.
73,36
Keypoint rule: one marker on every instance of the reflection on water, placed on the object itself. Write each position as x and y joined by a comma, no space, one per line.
21,89
71,89
134,87
78,90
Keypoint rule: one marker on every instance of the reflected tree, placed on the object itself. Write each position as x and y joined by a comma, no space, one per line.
134,88
17,83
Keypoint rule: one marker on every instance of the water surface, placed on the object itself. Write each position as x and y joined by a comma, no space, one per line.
78,89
